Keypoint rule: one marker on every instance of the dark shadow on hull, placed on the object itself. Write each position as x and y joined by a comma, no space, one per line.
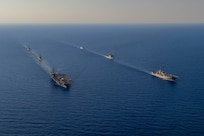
58,86
163,81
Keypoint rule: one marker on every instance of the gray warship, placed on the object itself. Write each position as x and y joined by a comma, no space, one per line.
164,75
109,56
39,58
60,79
81,47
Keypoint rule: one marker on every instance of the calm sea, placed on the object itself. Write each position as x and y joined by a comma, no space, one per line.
106,97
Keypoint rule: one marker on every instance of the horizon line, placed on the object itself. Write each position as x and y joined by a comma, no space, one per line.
102,23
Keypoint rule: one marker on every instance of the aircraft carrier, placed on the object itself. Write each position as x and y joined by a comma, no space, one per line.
60,79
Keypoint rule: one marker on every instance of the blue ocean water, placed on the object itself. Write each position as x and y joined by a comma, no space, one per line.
106,97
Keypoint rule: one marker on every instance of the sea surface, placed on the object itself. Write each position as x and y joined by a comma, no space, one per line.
115,98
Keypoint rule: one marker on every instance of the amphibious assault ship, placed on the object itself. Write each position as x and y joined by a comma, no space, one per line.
164,75
60,79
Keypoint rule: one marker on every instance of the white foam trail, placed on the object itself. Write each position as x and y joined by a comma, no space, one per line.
45,66
131,66
120,62
70,44
94,52
116,61
86,49
43,63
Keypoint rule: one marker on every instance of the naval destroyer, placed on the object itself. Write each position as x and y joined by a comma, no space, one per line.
81,47
109,56
39,58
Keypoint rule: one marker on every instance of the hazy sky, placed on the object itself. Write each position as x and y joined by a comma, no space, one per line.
101,11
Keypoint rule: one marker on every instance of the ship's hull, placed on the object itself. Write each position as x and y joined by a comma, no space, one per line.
39,59
60,80
168,78
81,48
108,57
59,84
